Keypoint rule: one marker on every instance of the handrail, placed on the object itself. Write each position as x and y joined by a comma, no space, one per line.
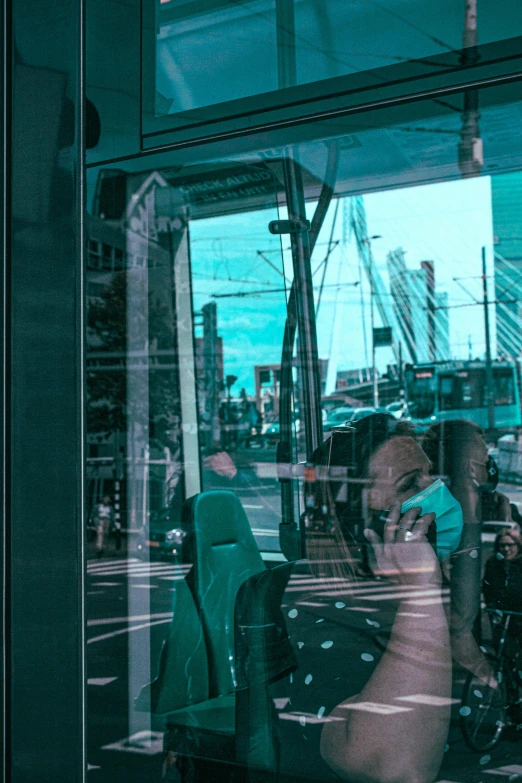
288,527
502,612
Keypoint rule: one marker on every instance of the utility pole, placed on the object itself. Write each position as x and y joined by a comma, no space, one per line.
489,372
372,323
471,155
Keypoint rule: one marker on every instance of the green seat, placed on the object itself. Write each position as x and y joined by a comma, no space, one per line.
182,678
196,681
225,554
264,655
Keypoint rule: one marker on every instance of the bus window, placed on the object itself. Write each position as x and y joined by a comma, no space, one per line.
422,395
469,391
446,393
504,387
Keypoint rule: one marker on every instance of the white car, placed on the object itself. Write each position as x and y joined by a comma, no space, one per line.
397,409
338,417
491,529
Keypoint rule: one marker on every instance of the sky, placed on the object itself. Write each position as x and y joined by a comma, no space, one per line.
447,223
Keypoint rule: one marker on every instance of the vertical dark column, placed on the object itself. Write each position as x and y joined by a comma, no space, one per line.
3,567
429,268
45,705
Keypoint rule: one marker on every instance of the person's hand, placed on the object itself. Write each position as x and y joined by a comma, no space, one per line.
221,464
405,552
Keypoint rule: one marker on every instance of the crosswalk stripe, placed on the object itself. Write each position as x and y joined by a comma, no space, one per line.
394,596
429,601
132,619
112,562
152,568
134,567
507,771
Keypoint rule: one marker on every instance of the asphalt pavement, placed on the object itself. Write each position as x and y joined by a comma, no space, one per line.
128,615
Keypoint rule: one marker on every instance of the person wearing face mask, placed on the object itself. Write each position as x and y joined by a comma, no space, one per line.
325,726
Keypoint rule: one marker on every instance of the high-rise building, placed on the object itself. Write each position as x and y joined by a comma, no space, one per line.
420,311
442,326
506,194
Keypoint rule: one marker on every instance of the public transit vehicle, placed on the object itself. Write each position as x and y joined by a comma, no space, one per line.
457,389
249,246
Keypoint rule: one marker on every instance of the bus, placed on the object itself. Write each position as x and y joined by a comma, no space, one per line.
457,389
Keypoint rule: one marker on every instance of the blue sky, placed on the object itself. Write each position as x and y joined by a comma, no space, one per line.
447,223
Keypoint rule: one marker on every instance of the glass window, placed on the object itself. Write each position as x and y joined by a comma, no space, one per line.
260,46
303,465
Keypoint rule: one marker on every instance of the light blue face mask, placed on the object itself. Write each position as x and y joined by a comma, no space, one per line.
438,500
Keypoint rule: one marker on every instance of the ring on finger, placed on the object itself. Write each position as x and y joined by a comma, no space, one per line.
408,535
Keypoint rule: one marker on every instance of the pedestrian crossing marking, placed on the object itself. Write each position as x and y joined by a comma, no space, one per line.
506,771
100,680
150,743
125,630
146,587
106,584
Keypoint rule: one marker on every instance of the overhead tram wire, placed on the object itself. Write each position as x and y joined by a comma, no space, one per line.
239,294
328,253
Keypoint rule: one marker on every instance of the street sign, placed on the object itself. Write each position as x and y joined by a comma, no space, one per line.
382,336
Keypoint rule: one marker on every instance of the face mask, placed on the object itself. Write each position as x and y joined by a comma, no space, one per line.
491,484
438,500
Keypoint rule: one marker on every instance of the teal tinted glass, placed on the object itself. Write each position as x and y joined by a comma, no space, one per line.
207,52
224,361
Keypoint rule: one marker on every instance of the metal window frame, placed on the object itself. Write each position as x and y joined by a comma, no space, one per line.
41,422
303,101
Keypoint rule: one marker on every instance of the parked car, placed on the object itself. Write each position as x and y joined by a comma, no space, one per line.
337,417
163,539
397,409
272,433
361,413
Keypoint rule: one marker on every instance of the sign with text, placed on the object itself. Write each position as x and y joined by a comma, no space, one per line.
382,336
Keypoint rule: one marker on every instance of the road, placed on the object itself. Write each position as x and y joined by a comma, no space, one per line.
128,614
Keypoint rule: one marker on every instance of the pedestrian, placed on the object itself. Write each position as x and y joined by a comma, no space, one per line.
104,516
503,583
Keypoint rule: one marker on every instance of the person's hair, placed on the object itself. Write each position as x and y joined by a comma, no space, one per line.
348,453
508,532
343,463
447,443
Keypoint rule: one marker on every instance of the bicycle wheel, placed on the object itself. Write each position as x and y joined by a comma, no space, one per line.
483,711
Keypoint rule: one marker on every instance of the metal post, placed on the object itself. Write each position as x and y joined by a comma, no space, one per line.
471,158
306,326
374,369
489,373
286,56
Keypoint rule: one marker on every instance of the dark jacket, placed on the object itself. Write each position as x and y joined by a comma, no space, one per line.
503,584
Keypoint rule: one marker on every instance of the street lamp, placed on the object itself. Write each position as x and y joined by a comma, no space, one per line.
368,242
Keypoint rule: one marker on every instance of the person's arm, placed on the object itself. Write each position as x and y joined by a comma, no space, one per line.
404,742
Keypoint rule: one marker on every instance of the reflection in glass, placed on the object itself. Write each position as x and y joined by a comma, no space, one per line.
215,644
264,45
